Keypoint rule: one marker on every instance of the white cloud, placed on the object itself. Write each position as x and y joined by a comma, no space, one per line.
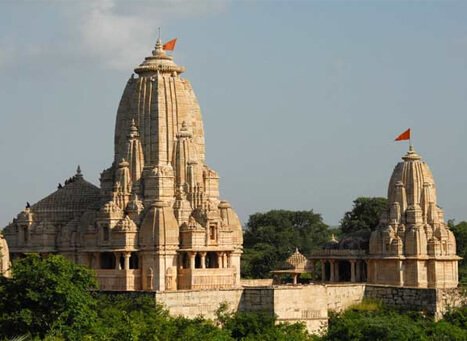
111,33
117,33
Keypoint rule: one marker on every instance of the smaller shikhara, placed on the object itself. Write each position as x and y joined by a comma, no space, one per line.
156,222
413,245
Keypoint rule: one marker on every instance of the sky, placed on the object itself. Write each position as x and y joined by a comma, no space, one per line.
301,100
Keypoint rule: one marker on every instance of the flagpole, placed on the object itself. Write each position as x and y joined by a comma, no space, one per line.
410,140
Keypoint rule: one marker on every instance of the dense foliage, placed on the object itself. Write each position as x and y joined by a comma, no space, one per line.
271,237
460,232
372,321
46,295
49,298
364,215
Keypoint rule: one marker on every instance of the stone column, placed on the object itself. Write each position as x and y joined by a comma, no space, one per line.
192,259
127,256
295,276
352,270
224,265
323,270
117,261
332,271
219,259
229,260
336,268
203,260
401,272
97,259
180,260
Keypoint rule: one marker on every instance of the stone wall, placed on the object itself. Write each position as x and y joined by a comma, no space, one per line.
193,303
305,303
342,295
430,300
302,303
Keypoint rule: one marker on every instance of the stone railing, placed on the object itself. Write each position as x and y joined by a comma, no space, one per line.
119,280
256,282
215,278
338,252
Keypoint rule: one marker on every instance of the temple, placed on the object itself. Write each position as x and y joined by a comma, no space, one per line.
156,223
413,246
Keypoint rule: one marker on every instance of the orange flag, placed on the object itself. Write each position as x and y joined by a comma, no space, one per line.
170,45
404,136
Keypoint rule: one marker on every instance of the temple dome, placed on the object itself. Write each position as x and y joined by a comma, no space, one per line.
77,195
159,61
156,104
411,182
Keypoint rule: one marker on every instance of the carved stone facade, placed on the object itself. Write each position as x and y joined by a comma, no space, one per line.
413,246
156,222
4,258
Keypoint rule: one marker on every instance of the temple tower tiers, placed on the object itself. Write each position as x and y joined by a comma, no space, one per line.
4,257
157,222
413,245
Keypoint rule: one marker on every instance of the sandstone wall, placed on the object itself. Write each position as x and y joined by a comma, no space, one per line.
341,296
410,298
303,303
433,301
306,304
193,303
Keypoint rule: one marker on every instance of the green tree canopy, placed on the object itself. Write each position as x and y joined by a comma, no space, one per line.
460,232
271,237
364,215
46,294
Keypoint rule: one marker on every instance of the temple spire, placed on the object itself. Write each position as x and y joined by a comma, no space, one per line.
78,172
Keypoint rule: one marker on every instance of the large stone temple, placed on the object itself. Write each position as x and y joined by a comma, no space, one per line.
156,223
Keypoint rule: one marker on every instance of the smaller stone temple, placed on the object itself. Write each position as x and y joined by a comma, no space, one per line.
413,245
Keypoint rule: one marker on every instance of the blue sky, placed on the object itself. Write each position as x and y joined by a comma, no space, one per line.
301,100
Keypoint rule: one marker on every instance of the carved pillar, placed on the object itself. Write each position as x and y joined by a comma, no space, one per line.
192,259
203,260
97,259
224,258
180,261
117,261
352,270
400,265
295,276
219,259
229,259
127,256
332,271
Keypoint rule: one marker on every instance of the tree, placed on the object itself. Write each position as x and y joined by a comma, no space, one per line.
460,232
271,237
46,294
364,215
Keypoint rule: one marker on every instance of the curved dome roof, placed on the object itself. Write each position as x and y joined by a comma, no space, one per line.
414,175
76,195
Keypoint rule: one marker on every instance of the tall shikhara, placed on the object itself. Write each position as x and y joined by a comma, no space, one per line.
157,222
